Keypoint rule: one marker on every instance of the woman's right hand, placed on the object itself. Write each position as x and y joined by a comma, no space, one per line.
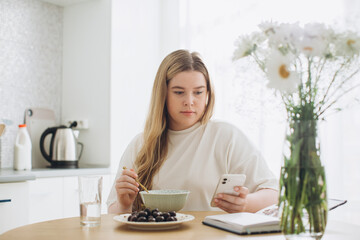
126,189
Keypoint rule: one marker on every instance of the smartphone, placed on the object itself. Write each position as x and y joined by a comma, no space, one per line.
226,185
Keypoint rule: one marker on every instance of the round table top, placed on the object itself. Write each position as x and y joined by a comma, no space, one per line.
69,228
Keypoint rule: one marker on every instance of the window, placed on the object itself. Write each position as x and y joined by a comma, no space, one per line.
211,28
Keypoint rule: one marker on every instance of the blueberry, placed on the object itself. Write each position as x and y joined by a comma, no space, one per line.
159,219
166,215
148,211
155,214
142,214
172,213
142,219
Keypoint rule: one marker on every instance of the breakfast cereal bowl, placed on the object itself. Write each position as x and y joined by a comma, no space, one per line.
165,200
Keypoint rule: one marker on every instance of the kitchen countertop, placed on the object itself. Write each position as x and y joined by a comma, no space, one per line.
10,175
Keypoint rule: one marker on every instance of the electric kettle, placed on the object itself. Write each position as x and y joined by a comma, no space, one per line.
63,152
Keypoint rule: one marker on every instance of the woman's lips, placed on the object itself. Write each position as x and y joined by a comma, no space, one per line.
187,113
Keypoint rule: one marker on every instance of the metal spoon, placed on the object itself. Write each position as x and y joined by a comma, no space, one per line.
2,128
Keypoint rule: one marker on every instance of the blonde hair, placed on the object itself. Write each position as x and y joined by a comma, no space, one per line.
154,149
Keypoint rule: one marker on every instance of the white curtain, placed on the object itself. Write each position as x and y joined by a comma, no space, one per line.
211,28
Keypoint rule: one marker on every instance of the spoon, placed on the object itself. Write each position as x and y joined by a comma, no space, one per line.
143,187
2,128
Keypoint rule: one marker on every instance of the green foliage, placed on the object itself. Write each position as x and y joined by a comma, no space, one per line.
302,182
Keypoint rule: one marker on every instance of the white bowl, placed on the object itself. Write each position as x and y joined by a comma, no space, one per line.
165,200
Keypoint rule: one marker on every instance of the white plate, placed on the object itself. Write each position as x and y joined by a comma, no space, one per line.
181,218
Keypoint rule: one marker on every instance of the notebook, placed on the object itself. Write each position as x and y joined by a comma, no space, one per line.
264,221
244,223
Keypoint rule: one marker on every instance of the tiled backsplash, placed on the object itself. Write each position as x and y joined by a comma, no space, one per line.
30,64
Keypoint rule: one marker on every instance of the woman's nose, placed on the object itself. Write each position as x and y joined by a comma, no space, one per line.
189,100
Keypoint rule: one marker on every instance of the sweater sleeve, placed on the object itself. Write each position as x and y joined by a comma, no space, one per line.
127,160
243,157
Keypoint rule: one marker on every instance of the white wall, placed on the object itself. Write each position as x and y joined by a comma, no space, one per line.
170,31
30,66
86,75
135,58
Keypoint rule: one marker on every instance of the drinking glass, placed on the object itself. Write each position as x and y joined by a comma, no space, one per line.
90,188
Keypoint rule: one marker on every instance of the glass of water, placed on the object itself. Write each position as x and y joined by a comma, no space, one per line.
90,188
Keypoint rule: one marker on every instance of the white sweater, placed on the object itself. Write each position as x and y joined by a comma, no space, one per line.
197,157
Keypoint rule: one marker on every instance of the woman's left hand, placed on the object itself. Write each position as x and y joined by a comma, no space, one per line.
231,203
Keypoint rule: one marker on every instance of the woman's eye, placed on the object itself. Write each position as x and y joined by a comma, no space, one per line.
198,92
178,92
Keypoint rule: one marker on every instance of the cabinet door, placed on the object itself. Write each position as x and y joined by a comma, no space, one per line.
71,197
13,205
46,199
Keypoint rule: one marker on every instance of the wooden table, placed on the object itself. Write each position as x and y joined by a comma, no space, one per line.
69,228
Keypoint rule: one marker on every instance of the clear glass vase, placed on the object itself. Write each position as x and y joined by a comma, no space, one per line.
303,192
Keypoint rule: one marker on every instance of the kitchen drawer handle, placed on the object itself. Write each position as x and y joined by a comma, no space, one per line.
5,200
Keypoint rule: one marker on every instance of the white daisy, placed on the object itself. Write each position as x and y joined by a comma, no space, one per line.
284,35
280,76
268,27
314,46
316,30
247,44
244,46
347,45
315,40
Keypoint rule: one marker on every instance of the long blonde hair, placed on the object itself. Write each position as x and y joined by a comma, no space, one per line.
154,149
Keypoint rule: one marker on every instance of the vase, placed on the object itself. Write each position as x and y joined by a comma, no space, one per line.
303,192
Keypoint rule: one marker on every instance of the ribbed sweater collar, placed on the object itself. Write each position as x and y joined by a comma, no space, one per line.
188,130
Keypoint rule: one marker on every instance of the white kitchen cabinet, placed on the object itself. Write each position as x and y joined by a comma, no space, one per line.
71,197
58,197
43,199
14,208
46,199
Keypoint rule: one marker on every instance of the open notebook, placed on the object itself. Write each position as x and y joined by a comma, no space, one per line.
264,221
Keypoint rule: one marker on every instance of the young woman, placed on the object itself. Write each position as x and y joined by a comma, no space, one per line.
181,148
